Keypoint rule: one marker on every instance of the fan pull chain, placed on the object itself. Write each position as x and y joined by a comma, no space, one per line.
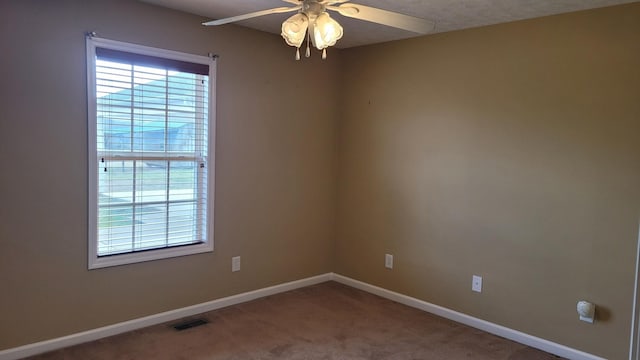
308,53
298,54
324,54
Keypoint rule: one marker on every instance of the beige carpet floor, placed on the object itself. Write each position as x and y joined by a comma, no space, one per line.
325,321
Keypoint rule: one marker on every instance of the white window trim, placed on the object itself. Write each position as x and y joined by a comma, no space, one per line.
94,261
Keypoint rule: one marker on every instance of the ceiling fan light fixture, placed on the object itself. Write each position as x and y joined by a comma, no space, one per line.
294,29
325,31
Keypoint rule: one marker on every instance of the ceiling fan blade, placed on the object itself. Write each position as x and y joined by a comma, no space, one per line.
294,2
252,15
389,18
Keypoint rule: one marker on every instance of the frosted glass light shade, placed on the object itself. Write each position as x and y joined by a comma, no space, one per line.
325,31
294,29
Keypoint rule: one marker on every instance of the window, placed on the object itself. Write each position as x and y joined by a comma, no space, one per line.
151,149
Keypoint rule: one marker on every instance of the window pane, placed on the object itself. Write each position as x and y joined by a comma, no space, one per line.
182,91
115,185
114,129
151,181
183,223
151,229
114,229
148,130
183,181
113,78
181,132
151,95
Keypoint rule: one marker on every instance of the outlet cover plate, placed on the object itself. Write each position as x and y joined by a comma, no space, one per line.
235,263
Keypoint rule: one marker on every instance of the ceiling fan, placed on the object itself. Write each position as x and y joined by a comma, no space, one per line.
313,23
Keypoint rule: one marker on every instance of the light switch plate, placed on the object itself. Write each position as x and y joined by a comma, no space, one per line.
388,261
476,283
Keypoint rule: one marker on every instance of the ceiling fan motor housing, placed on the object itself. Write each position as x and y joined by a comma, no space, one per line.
312,9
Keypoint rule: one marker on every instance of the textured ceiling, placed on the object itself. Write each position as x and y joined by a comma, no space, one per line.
448,15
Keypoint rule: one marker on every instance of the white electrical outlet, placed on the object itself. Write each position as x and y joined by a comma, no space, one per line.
235,263
388,261
476,283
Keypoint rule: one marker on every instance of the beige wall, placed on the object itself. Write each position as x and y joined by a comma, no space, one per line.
511,152
275,169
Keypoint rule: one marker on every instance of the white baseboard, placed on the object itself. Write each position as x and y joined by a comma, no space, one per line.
102,332
492,328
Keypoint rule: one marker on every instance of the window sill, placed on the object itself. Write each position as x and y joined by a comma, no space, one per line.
96,262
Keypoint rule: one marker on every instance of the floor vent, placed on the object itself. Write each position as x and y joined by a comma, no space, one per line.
189,324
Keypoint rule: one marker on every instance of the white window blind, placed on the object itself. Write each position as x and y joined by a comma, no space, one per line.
151,153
